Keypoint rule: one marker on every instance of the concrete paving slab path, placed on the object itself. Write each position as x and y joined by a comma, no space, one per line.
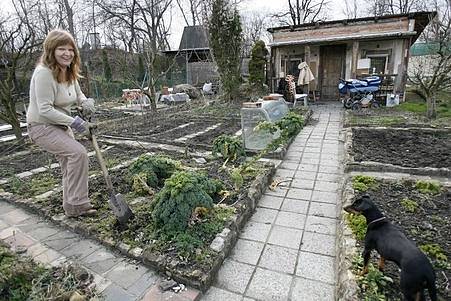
287,249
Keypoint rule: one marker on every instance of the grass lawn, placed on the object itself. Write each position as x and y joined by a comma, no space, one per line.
416,104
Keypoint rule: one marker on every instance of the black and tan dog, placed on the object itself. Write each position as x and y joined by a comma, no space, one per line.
391,244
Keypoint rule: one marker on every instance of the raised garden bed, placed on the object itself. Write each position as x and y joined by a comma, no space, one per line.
391,117
192,258
415,150
422,213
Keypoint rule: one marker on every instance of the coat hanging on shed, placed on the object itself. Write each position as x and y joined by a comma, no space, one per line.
305,74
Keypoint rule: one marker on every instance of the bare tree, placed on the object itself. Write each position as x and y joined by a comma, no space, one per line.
191,11
303,11
142,25
254,28
17,42
391,7
351,9
67,8
431,74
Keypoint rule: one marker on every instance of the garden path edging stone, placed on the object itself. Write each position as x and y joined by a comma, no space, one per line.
347,288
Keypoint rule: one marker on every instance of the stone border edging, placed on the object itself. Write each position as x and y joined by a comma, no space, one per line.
222,244
352,165
347,288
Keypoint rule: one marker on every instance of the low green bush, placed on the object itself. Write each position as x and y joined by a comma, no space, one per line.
363,183
435,252
230,147
181,194
373,283
357,223
427,187
409,205
154,169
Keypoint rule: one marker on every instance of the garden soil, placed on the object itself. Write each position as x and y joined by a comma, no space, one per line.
408,148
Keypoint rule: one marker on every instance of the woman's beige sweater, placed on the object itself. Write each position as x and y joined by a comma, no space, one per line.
50,101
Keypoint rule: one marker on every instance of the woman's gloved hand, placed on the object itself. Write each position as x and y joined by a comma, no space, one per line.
82,126
88,108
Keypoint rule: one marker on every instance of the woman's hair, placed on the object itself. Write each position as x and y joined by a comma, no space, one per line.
54,39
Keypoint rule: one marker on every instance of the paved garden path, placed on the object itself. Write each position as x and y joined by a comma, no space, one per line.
118,278
287,249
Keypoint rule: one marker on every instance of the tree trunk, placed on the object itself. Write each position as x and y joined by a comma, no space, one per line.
431,107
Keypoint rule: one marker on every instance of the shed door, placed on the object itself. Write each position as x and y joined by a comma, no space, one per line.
332,68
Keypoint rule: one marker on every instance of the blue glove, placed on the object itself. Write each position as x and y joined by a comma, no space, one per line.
82,126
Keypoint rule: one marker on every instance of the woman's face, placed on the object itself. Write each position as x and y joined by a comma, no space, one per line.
64,55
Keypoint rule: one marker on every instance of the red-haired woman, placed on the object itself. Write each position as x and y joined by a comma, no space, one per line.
54,89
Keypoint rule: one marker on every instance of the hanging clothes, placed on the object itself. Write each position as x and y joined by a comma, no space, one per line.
305,74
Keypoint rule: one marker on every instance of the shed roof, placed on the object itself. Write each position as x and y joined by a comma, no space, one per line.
422,19
193,38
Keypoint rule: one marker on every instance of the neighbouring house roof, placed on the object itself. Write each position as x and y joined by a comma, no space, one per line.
368,28
194,38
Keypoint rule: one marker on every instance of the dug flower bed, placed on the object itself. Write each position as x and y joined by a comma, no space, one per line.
420,209
415,151
192,254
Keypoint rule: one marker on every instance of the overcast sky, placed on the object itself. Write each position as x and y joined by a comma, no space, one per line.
247,7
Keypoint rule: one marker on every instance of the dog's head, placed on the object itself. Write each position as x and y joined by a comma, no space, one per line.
360,205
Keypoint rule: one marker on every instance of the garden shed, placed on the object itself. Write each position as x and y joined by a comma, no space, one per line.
194,64
347,49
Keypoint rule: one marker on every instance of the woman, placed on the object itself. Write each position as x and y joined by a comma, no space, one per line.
54,89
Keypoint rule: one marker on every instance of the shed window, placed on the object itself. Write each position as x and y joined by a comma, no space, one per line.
378,64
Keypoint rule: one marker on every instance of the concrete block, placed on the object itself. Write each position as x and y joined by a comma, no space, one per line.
303,183
316,267
264,215
297,206
48,256
43,232
101,261
234,276
256,231
125,274
323,209
326,186
291,220
269,285
269,201
306,289
279,259
116,293
247,251
216,294
299,194
285,237
318,243
323,225
80,249
325,197
15,216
